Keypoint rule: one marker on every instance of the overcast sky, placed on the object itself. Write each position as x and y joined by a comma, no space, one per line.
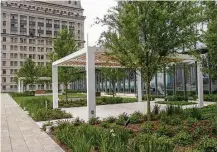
93,9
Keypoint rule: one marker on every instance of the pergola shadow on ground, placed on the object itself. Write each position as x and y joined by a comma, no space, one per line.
91,57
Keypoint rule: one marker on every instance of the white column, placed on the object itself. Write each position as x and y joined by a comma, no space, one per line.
19,89
55,85
200,85
139,85
91,96
21,86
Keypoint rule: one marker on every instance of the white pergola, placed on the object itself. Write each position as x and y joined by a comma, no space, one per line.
20,82
91,57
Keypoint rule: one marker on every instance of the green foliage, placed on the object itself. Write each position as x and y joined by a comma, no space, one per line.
122,118
110,119
210,37
94,121
211,97
182,138
147,127
64,45
24,94
87,138
38,110
29,71
190,121
195,113
113,75
156,109
208,144
99,101
150,143
177,98
141,34
136,117
166,130
170,110
179,103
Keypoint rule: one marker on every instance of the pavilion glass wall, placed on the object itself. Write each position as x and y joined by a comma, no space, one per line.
175,82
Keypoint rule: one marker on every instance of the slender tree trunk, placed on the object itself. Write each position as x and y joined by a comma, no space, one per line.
113,91
66,92
148,100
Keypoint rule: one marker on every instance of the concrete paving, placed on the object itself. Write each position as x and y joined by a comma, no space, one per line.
19,133
104,111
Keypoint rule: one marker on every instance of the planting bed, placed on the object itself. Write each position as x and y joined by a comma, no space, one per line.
174,129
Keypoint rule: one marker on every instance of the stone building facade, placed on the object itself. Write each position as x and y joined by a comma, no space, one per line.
27,30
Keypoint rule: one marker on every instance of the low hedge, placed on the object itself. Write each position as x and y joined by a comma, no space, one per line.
210,97
176,98
26,93
153,97
99,101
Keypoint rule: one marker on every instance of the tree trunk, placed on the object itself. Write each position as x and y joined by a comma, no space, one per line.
113,90
148,100
66,92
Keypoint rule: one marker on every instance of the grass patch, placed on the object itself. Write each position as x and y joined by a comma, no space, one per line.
180,103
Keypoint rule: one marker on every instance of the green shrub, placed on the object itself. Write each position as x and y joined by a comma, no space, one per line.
165,130
122,118
195,113
110,119
175,120
177,98
136,117
199,128
78,121
208,144
182,138
94,121
190,121
24,94
148,127
210,97
150,143
156,109
171,110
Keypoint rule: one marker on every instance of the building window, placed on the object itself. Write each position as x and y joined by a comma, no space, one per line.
75,2
3,79
3,71
21,63
4,23
3,63
69,2
4,47
4,87
4,39
4,30
3,55
4,15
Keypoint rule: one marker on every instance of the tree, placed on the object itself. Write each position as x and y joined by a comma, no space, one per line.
29,71
113,75
142,34
64,45
210,37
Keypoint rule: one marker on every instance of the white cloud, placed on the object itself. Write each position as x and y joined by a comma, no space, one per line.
93,9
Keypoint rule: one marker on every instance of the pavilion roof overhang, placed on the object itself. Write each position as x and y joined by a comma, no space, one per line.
78,59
